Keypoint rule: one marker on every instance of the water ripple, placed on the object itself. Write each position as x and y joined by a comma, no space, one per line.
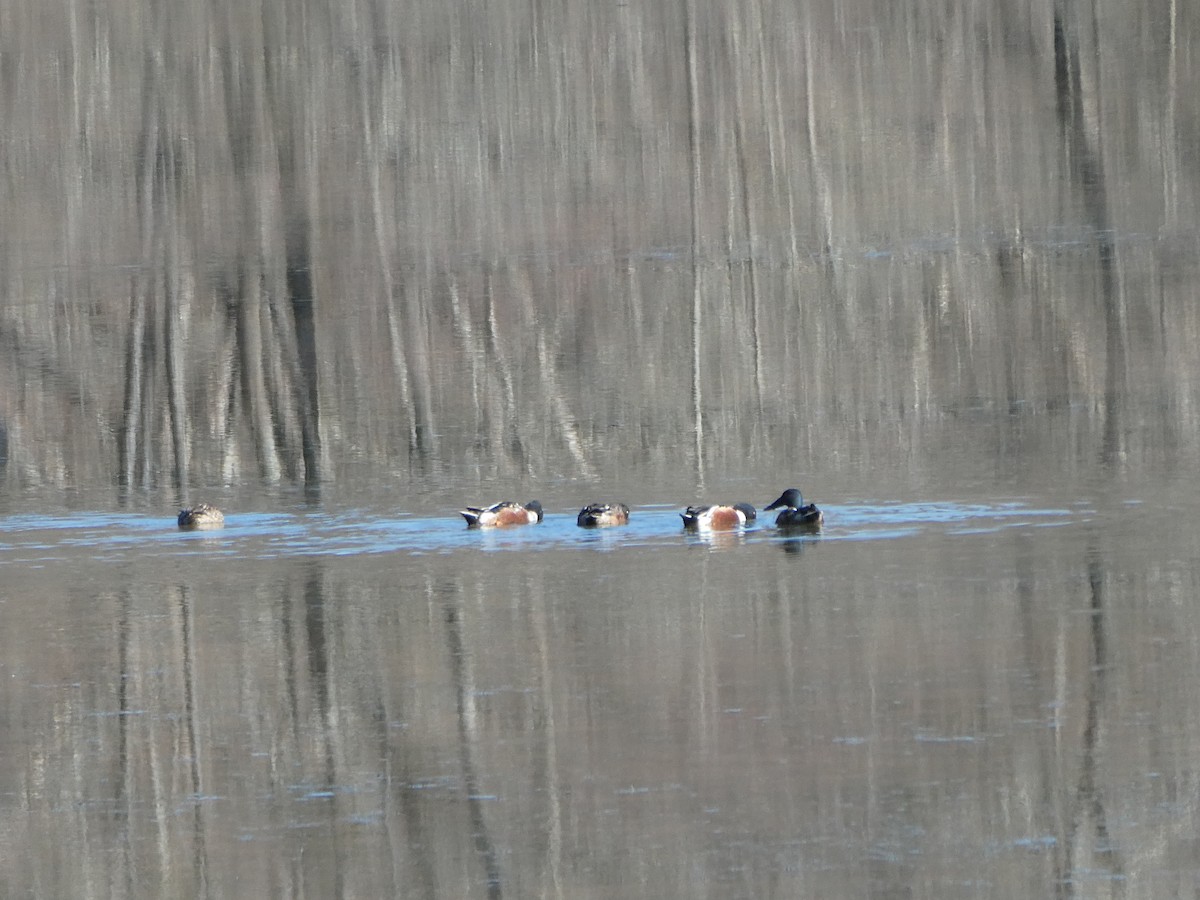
112,536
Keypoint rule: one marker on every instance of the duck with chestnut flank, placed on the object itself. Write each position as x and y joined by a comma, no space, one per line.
506,512
720,517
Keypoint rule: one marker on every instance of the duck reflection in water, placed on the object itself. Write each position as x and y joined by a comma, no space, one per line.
506,512
796,542
719,517
795,514
202,515
716,539
600,515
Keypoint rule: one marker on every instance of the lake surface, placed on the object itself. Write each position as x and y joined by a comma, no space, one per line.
343,270
973,696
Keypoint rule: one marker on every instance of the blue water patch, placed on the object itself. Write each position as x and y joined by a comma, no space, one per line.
922,737
1040,842
106,537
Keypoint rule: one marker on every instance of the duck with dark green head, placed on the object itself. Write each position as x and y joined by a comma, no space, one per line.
795,513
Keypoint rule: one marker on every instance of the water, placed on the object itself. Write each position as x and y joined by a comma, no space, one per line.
377,702
111,537
342,273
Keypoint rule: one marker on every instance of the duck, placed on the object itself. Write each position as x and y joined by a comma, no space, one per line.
718,517
602,514
202,515
795,513
506,512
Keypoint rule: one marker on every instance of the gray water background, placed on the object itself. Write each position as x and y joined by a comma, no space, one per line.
342,269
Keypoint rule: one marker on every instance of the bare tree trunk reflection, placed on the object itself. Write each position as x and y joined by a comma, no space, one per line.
316,632
316,638
229,379
1082,136
694,193
1088,817
173,351
748,190
192,750
1090,795
295,348
1049,794
251,354
1114,360
467,740
306,394
508,431
751,268
818,176
132,446
131,411
416,868
173,354
551,384
124,776
546,750
472,348
1079,110
411,370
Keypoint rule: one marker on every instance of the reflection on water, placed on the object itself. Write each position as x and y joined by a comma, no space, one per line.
503,274
378,703
25,539
339,273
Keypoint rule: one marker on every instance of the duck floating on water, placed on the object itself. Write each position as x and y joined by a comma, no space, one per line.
795,513
506,512
202,515
603,514
718,517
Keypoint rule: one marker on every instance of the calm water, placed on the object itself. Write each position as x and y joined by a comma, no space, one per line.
969,696
343,269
